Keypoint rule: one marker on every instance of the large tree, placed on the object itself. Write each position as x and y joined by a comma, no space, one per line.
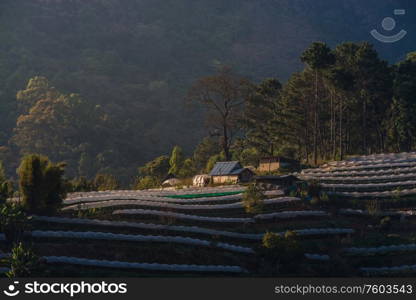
402,121
298,118
203,151
223,96
342,83
262,117
60,126
373,93
318,57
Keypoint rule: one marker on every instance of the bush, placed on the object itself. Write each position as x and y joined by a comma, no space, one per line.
272,240
41,184
285,246
213,160
105,182
23,262
373,207
290,235
148,182
281,253
325,198
250,157
204,150
13,221
6,191
158,168
87,213
314,189
385,223
81,184
188,169
6,186
315,201
253,199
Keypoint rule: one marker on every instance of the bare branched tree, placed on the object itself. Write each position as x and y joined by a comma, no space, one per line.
224,95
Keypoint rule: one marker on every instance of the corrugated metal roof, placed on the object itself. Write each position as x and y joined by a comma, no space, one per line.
226,168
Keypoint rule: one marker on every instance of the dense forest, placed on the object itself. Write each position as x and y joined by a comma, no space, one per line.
107,85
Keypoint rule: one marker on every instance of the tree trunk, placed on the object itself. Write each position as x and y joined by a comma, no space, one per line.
225,143
341,152
364,129
315,134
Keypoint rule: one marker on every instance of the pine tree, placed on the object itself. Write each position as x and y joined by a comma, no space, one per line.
176,161
318,57
262,117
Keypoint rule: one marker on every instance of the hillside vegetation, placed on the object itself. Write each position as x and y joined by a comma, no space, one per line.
122,68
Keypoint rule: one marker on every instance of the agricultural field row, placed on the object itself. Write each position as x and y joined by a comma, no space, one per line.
369,166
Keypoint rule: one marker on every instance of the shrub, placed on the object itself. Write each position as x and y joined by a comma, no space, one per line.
324,197
204,150
253,199
304,195
293,193
315,201
188,169
285,246
289,234
385,223
2,173
158,168
6,186
213,160
6,191
148,182
314,189
272,240
105,182
292,244
281,253
13,221
250,156
396,194
41,184
23,262
373,207
86,213
81,184
302,191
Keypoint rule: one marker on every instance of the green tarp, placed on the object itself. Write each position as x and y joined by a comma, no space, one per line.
190,196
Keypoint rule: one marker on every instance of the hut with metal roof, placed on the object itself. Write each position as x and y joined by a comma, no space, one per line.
230,172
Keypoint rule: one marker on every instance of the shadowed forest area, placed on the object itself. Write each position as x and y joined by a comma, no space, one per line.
107,86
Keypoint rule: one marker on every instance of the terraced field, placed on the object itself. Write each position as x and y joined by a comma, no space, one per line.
375,176
206,231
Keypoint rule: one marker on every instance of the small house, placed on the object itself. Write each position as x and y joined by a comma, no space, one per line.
275,163
230,172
